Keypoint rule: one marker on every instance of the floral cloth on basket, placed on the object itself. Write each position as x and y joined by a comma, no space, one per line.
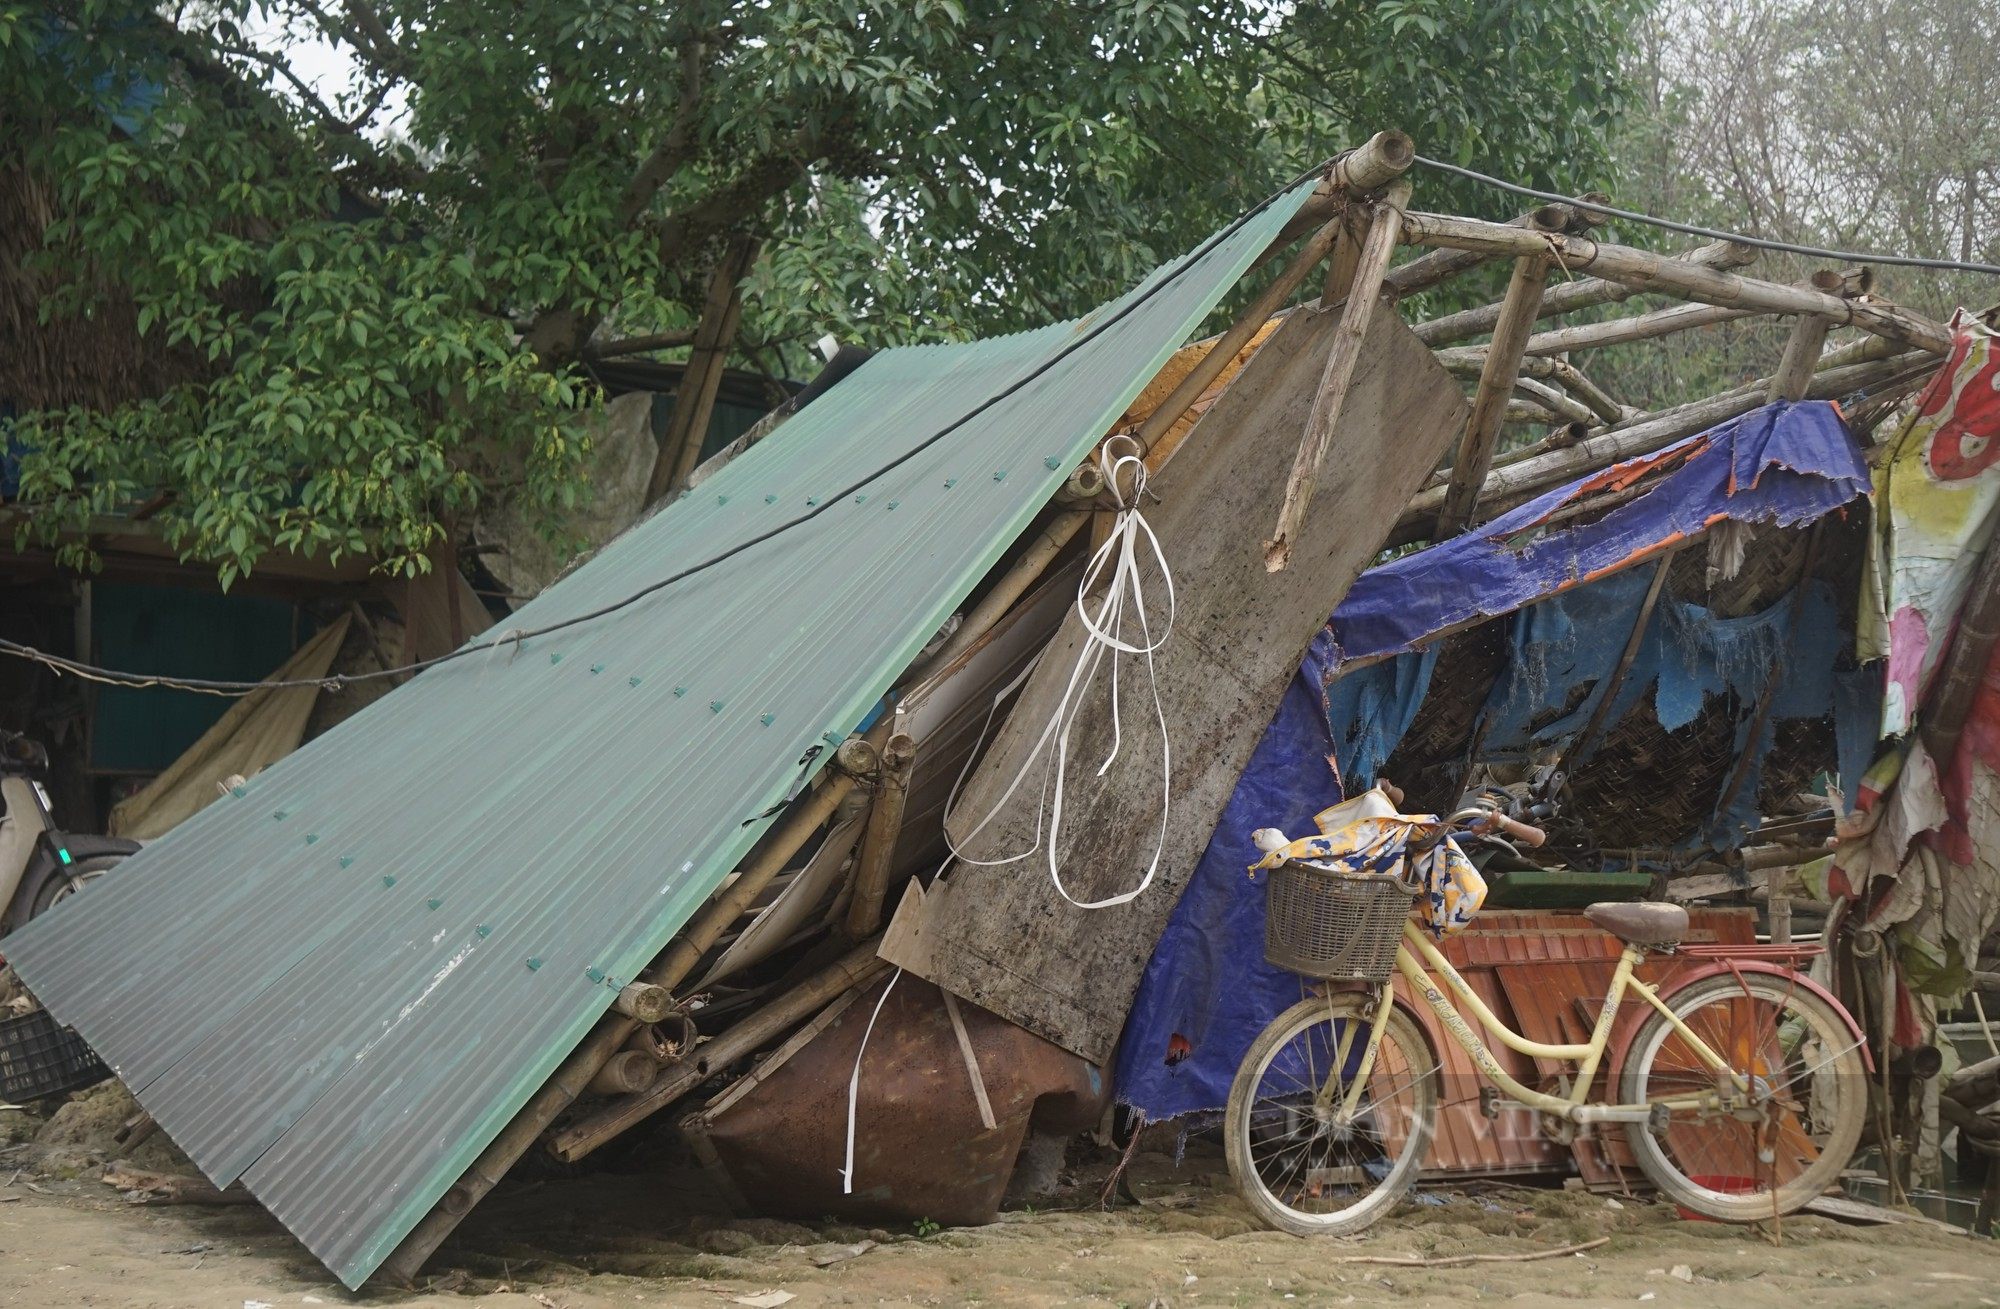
1367,835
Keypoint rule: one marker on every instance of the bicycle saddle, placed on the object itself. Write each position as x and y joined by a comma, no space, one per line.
1641,922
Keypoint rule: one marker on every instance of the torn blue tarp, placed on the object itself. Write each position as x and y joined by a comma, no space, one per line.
1208,991
1565,648
1782,464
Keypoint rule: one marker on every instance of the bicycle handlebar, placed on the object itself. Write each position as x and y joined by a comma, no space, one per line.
1525,833
1482,820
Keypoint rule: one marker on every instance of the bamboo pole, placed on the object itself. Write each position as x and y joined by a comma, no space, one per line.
1639,327
1014,584
1496,382
1865,350
1346,257
1510,485
1802,351
1436,266
1645,271
644,1002
1567,297
1572,380
1565,408
1528,413
1345,353
878,842
853,969
1247,325
1373,164
1471,362
625,1073
694,399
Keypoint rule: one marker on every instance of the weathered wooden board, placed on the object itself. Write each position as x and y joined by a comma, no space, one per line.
1001,936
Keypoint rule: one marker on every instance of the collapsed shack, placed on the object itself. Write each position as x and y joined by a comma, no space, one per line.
598,868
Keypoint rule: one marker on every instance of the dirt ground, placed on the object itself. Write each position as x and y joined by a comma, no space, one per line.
652,1237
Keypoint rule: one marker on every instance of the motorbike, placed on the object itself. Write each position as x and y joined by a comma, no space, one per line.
40,864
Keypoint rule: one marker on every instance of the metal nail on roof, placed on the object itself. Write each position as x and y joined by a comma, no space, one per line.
300,1016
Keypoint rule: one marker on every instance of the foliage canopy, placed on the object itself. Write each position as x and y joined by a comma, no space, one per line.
385,288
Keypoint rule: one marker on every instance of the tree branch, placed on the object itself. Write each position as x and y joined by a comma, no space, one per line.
633,345
674,148
764,180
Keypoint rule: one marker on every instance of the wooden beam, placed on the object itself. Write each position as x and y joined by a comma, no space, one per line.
1646,271
1347,340
694,400
1802,351
1567,297
1496,383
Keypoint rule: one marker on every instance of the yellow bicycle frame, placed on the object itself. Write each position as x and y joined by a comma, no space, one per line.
1586,1057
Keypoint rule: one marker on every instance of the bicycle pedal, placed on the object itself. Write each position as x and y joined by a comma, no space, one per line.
1656,1121
1489,1101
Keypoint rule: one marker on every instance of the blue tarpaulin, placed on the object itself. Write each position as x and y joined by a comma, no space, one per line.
1208,990
1782,464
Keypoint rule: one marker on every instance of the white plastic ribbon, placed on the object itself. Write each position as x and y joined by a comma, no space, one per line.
854,1084
1116,563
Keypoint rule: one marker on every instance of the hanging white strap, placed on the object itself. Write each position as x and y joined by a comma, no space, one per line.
1116,563
854,1084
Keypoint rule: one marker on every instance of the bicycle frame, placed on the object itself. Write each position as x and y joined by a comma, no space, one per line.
1586,1056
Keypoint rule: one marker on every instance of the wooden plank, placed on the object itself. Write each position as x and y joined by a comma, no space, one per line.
1001,937
1496,383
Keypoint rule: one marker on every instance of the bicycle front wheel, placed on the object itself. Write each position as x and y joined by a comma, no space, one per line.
1770,1131
1302,1162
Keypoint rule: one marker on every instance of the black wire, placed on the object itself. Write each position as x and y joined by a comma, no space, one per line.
1692,229
518,635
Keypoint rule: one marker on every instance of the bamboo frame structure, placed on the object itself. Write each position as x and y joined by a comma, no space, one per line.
1571,296
1646,271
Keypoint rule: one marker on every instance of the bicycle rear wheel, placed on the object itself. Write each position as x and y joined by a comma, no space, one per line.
1301,1168
1775,1134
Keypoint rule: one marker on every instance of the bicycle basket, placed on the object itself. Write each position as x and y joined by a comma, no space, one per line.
1323,922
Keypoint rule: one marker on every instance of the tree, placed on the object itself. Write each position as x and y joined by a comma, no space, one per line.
386,293
1845,124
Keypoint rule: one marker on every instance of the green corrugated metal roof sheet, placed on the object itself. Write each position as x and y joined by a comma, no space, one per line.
341,984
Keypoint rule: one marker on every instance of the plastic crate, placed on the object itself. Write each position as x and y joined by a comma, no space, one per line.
39,1057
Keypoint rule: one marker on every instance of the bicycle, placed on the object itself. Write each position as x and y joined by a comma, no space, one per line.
1742,1093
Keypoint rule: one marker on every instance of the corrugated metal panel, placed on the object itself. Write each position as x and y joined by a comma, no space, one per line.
340,985
1555,969
1545,975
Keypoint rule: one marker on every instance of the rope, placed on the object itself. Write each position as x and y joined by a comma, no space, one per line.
1714,234
1115,563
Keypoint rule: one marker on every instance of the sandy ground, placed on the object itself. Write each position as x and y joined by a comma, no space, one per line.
637,1238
